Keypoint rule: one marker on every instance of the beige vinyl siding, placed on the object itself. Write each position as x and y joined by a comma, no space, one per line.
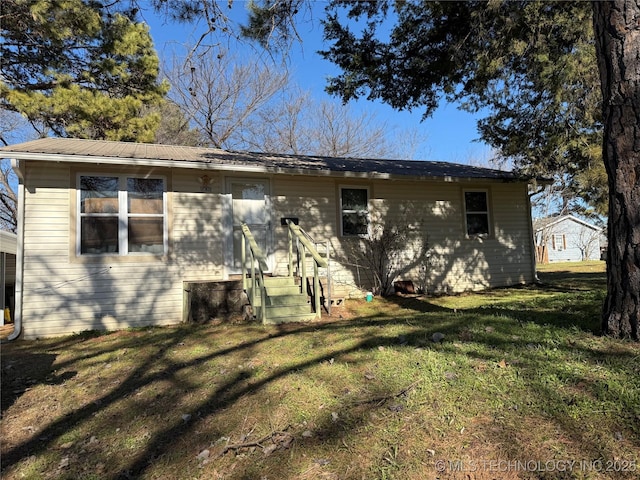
457,263
64,293
46,214
513,252
434,209
461,263
313,202
197,234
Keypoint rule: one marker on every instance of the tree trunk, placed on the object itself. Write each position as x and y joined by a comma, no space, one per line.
617,29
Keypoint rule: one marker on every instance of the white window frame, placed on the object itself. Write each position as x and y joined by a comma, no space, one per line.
467,212
558,240
123,216
342,210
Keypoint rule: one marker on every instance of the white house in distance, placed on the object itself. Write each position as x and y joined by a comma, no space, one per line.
567,238
8,249
109,233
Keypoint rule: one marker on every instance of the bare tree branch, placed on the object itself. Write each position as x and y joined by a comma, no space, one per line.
219,94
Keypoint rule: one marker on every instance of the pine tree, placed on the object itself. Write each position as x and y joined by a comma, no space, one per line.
77,68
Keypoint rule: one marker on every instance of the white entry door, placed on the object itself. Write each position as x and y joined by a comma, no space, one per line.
250,204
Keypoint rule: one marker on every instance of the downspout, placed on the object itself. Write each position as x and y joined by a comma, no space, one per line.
17,314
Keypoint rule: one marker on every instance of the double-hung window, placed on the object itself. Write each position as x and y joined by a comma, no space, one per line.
476,209
354,209
121,215
559,242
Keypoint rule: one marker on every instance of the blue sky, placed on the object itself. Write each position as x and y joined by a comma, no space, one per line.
450,132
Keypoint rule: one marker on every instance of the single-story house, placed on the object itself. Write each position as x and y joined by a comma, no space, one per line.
566,238
8,249
112,234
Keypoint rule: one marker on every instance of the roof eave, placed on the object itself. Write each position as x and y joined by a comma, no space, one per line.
208,165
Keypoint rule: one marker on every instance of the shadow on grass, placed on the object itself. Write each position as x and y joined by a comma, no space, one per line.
571,281
221,397
580,308
26,370
491,327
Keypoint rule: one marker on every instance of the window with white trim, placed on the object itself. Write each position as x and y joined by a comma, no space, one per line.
121,215
476,209
558,242
354,210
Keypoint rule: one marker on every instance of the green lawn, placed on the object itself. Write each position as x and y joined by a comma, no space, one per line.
521,387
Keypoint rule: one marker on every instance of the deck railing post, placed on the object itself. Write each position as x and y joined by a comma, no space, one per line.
303,268
244,261
316,288
290,250
327,297
253,280
263,302
257,267
298,258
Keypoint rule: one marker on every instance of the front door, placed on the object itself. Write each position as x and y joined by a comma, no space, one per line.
250,205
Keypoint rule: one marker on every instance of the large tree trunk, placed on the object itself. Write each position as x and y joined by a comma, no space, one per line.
617,29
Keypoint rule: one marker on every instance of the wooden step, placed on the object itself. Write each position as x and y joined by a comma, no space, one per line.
308,317
279,281
284,303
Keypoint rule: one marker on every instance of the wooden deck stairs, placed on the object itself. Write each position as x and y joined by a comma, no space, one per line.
285,302
290,298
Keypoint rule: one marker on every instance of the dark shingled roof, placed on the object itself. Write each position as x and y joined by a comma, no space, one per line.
65,149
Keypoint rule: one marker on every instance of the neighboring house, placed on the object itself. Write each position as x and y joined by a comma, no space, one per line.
8,249
567,238
111,232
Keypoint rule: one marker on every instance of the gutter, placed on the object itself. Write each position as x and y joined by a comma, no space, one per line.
17,314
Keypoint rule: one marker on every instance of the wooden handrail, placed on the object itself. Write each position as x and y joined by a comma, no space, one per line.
257,281
318,261
257,265
255,248
297,231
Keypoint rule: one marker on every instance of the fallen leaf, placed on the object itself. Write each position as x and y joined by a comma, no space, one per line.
502,363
